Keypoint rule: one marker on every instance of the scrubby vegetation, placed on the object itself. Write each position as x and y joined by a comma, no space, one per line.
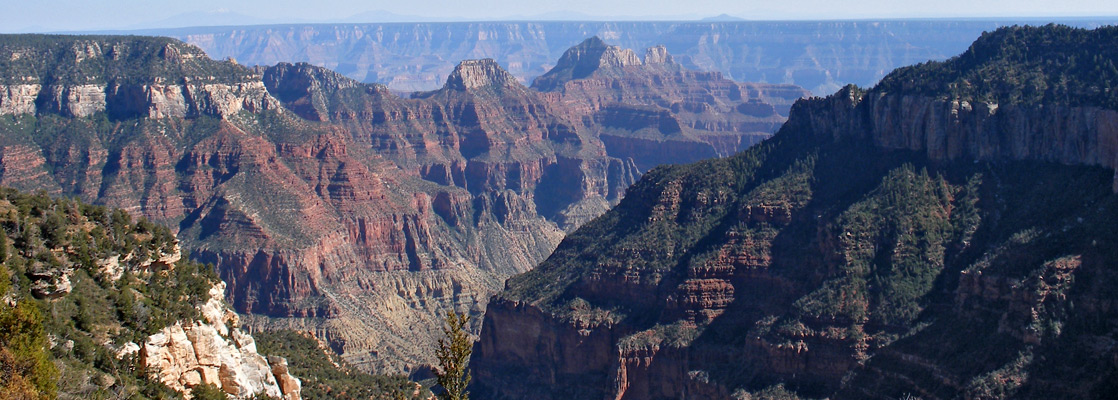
1023,65
79,282
325,376
71,59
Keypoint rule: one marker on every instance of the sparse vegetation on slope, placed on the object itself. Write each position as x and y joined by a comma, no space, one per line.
326,376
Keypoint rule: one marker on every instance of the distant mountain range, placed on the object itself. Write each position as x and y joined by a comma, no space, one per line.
818,55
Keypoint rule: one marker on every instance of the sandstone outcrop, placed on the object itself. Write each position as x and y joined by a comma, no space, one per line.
959,130
187,83
480,74
216,351
120,287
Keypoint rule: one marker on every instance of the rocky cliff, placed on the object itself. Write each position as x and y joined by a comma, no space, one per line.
337,207
924,238
215,351
127,315
123,78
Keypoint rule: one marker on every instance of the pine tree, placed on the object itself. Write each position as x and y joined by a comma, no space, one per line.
454,355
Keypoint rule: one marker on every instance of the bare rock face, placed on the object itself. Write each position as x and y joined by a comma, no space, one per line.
657,112
954,130
180,90
19,98
479,74
51,283
210,352
582,60
289,385
658,55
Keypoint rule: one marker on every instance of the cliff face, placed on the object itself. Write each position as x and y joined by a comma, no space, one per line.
657,112
959,130
333,206
123,78
210,352
884,242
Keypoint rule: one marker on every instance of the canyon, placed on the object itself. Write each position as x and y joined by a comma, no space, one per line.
339,208
944,234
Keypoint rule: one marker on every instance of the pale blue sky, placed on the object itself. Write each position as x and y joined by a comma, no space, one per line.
52,15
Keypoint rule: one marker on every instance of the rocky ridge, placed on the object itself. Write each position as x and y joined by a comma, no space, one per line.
328,205
885,242
821,56
651,110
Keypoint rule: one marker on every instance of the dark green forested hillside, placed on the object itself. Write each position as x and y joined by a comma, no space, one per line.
1023,65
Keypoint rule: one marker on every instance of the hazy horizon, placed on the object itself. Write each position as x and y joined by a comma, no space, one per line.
86,15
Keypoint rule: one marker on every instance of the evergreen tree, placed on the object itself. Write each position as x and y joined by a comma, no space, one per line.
454,356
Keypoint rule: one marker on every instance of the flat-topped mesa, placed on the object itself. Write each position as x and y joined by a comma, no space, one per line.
124,77
480,74
658,55
582,60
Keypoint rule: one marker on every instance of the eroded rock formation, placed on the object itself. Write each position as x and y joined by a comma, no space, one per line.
217,352
337,207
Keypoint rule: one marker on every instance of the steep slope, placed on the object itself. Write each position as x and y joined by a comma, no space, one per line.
945,234
657,112
98,305
818,55
327,205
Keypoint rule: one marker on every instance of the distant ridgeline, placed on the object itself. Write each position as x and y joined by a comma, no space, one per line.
948,233
818,55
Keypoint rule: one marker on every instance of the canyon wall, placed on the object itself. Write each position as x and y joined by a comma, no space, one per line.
886,242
